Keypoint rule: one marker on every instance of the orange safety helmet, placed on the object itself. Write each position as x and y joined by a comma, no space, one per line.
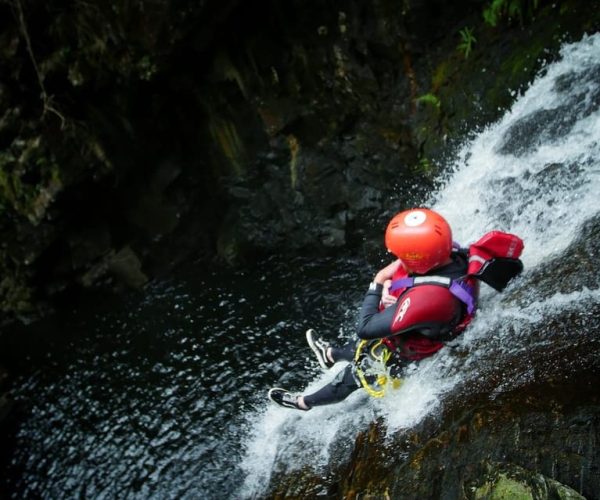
420,238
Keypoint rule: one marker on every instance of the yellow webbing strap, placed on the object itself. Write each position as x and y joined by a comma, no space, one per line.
382,379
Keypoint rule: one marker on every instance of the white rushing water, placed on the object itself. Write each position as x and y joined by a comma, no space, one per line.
535,173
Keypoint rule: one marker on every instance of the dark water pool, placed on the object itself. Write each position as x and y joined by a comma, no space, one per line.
147,395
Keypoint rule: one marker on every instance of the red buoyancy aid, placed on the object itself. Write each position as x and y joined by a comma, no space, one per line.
430,301
494,258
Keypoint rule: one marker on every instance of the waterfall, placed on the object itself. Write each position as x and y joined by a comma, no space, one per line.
535,173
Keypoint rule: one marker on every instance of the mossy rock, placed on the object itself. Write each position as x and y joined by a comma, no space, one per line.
503,488
511,482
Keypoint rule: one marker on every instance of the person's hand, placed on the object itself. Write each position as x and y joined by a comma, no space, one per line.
387,299
387,272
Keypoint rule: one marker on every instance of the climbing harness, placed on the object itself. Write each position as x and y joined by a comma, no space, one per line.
374,359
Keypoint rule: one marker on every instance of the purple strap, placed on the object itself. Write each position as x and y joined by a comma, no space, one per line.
460,290
464,293
402,283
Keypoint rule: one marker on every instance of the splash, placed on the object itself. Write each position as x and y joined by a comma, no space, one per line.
534,173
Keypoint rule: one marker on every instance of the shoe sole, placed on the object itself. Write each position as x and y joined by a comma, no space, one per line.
316,350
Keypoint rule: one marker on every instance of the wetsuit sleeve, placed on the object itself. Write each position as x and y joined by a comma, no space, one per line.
373,323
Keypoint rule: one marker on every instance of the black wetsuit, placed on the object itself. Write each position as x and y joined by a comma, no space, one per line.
373,324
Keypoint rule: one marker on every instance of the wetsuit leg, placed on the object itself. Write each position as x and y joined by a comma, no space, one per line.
337,390
344,353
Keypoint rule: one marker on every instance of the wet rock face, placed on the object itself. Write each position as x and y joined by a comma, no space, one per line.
543,430
222,129
90,158
6,403
534,442
331,95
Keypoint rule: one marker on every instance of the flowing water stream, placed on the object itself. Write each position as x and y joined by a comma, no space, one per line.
163,395
535,173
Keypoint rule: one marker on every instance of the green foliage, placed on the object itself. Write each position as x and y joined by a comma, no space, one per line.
104,41
430,99
467,41
440,74
30,179
425,166
10,185
509,9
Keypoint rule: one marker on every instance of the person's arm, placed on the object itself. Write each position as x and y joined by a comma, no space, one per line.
387,299
373,323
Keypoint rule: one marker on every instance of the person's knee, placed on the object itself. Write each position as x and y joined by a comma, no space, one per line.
344,353
337,390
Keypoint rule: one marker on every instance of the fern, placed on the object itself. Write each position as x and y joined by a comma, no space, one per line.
466,45
430,99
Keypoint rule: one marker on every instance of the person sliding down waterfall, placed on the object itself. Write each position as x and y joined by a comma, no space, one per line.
432,297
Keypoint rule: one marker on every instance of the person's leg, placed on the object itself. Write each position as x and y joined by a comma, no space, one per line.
326,354
344,353
337,390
